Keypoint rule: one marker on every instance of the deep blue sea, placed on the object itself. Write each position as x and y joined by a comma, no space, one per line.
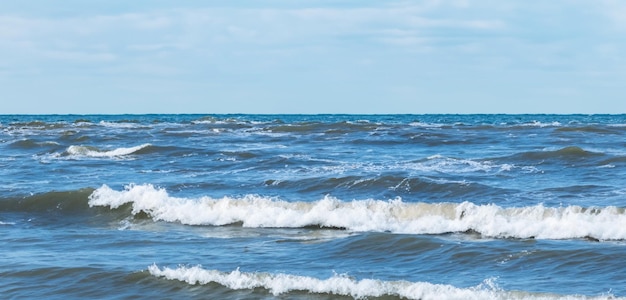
312,206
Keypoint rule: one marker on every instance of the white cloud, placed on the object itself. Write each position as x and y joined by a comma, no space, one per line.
359,48
207,27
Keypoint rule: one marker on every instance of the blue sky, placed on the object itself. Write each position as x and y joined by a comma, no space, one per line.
284,56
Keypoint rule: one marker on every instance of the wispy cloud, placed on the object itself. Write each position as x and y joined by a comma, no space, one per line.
255,25
382,47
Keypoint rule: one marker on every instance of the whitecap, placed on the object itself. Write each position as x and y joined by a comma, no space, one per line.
609,166
542,124
87,151
120,124
344,285
396,216
426,125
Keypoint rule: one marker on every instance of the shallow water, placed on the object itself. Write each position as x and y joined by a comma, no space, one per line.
313,206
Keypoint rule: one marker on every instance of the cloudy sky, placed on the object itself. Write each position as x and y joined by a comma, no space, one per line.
313,56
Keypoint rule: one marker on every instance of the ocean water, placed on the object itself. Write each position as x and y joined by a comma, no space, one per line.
313,206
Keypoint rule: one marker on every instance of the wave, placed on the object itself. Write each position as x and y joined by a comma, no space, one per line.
384,184
439,163
434,164
569,153
88,151
32,144
69,201
599,129
331,128
616,159
279,284
396,216
536,123
124,124
36,125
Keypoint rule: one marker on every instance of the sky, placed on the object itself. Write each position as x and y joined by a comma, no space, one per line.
312,56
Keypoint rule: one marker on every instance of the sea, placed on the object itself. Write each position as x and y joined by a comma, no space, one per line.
208,206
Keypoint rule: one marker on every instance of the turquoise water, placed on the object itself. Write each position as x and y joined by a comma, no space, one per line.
313,206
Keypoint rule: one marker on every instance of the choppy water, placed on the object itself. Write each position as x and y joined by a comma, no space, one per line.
313,206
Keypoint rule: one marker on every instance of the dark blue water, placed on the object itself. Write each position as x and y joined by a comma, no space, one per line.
313,206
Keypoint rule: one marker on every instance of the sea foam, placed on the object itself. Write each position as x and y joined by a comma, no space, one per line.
281,283
396,216
86,151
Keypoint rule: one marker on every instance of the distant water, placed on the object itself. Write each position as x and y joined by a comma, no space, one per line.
313,206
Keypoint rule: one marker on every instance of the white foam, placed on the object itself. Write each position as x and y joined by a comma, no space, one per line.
607,223
440,163
278,284
609,166
426,125
210,122
542,124
120,124
196,132
85,151
432,164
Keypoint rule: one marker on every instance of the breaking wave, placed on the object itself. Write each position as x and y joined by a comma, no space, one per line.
279,284
87,151
396,216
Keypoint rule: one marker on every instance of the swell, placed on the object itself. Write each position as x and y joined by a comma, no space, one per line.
59,281
382,185
396,216
37,125
62,208
68,201
332,128
569,153
599,129
33,144
82,282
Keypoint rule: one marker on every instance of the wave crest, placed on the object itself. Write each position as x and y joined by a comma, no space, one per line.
566,153
606,223
87,151
279,284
